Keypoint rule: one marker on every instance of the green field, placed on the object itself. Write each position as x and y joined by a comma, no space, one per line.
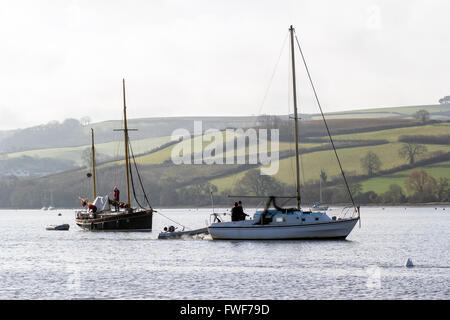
111,149
381,184
162,176
387,112
392,135
312,163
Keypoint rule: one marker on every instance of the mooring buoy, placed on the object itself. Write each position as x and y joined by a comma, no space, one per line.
409,263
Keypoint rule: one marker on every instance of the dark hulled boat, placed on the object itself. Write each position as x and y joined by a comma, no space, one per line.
140,220
127,219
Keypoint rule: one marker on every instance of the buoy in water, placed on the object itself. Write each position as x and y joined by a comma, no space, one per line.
409,263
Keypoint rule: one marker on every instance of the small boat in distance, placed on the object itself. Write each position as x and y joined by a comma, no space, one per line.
58,227
105,219
290,223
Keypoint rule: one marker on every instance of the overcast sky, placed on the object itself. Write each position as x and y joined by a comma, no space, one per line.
66,59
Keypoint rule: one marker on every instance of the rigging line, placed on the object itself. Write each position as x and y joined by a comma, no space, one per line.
273,74
159,212
134,191
145,195
139,177
325,122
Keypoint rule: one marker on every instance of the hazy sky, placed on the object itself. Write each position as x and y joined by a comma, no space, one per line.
66,59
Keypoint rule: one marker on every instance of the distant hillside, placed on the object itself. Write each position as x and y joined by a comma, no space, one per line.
23,152
437,112
70,133
189,185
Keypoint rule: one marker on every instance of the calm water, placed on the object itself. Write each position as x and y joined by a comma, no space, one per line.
75,264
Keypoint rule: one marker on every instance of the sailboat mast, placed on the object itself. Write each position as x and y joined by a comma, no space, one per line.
291,30
125,126
94,188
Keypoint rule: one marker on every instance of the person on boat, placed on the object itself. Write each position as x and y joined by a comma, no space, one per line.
241,213
116,198
91,207
235,212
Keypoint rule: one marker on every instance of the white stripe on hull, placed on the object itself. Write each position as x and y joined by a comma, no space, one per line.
338,229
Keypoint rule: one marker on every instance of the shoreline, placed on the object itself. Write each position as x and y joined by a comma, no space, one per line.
430,204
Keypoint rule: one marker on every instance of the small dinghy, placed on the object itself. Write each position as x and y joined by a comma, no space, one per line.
170,233
58,227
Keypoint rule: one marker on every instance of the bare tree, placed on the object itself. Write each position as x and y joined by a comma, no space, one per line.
445,100
422,115
411,151
371,163
422,185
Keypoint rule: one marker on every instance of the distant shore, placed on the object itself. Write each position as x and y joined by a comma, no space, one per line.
431,204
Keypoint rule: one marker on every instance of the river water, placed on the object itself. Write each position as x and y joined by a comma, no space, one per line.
75,264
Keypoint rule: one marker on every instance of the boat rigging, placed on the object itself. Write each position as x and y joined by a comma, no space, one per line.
98,215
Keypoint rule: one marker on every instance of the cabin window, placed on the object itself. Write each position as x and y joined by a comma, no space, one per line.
316,219
303,219
279,219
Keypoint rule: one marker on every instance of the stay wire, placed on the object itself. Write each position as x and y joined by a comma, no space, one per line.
273,74
145,195
140,181
325,122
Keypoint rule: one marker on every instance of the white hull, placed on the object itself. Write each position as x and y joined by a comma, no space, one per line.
246,230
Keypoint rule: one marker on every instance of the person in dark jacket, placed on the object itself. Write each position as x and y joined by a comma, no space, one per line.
235,212
116,198
241,213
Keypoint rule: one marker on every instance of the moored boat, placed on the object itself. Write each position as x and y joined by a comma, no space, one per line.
292,223
126,217
58,227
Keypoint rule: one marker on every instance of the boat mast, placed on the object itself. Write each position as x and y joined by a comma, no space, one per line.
125,126
94,189
291,30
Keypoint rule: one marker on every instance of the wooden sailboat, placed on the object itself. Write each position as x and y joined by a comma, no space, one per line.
128,219
290,223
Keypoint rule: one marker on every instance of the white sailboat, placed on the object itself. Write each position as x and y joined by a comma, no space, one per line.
291,223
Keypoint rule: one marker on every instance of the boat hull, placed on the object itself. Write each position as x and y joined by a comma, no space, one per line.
182,234
59,227
135,221
339,229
